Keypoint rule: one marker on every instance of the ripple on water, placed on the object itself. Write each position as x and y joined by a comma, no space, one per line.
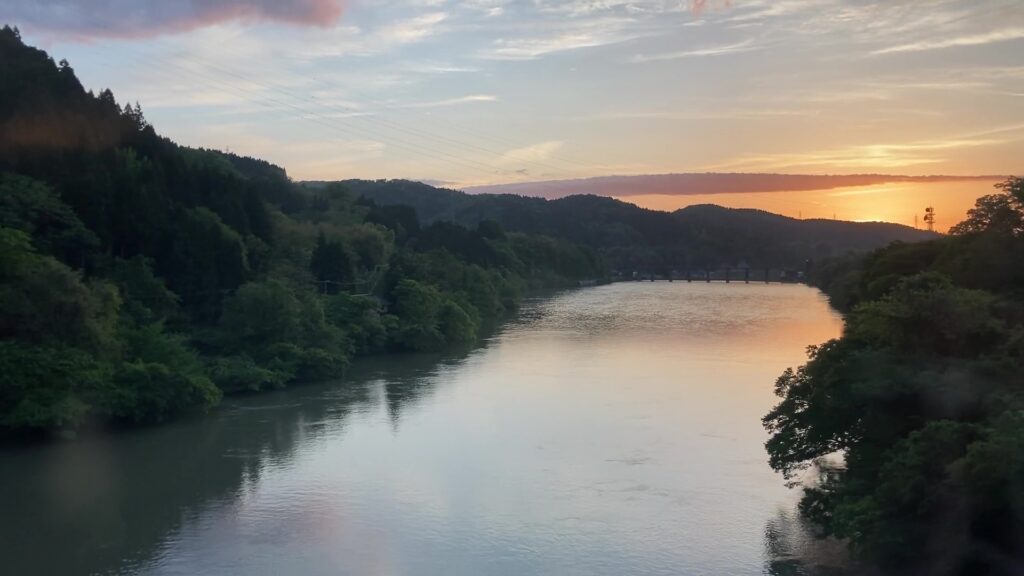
605,431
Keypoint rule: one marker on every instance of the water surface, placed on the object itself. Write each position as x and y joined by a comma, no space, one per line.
606,431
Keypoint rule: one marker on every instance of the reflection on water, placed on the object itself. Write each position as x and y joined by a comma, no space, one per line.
791,549
613,430
104,505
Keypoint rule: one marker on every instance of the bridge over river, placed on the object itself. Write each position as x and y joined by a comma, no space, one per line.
723,274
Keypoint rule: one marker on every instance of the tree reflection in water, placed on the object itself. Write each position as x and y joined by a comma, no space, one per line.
792,549
106,503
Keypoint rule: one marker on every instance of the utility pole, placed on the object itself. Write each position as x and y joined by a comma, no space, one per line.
929,218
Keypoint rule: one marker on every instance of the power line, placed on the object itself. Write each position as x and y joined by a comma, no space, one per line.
382,120
397,142
256,98
392,125
449,125
331,122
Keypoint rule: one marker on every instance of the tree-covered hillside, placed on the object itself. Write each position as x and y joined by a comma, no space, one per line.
139,278
633,238
923,396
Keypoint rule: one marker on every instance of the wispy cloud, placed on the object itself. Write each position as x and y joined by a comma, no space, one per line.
533,153
860,157
355,41
765,67
488,8
722,50
440,68
413,29
453,101
705,114
1008,128
758,10
571,36
979,39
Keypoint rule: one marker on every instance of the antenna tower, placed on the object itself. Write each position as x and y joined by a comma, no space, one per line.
929,218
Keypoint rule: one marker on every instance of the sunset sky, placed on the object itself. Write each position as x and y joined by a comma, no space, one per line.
483,92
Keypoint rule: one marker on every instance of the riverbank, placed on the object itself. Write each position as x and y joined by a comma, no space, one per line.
607,431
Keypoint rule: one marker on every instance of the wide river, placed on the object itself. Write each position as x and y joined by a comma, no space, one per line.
604,431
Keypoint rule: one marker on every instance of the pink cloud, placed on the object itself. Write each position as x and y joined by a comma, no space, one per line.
699,6
86,19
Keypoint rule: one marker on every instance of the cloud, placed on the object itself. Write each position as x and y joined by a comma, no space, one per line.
488,8
453,101
340,41
703,183
412,30
870,156
86,19
439,68
530,48
701,114
745,46
532,153
979,39
573,36
757,10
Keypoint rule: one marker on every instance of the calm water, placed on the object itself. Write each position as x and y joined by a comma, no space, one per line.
607,431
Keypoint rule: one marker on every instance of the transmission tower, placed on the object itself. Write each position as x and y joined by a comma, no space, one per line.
929,218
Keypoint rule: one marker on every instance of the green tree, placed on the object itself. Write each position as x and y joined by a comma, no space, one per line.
31,207
360,319
995,211
283,329
43,301
145,296
207,259
260,313
45,387
332,266
457,326
921,397
417,307
160,375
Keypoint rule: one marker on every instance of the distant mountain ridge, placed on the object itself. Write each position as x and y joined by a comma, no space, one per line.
630,237
693,183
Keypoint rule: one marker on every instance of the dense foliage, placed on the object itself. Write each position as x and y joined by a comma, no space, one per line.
923,396
140,279
630,238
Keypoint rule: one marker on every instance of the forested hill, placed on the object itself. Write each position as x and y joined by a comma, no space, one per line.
924,396
140,279
631,237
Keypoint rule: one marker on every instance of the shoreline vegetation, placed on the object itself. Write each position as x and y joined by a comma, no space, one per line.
923,396
140,279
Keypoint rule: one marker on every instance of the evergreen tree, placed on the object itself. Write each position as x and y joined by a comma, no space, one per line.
331,265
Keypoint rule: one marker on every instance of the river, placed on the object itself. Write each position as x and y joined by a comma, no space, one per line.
612,430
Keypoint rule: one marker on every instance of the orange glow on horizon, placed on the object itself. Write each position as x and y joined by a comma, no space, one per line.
898,203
